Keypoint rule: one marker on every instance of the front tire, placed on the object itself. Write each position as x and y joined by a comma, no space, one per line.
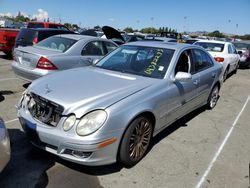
213,97
135,141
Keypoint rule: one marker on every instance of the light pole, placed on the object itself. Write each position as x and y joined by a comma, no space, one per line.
152,19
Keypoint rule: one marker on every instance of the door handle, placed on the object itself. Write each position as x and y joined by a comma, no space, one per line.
213,75
195,82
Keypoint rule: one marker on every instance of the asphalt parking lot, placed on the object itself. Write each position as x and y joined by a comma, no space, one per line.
204,149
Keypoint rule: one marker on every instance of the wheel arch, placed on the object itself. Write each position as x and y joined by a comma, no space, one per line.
147,114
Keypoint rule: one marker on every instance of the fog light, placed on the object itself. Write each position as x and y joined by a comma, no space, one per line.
80,154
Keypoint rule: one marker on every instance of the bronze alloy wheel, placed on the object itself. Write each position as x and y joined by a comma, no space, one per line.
136,140
140,139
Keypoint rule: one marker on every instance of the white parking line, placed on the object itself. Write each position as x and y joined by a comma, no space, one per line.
10,121
221,146
6,79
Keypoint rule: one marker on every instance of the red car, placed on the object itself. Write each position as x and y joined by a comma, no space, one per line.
8,36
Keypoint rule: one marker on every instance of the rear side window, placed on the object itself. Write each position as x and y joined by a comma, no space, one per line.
35,25
110,47
94,48
213,47
59,44
201,60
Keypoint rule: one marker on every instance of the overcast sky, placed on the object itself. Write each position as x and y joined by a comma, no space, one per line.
193,15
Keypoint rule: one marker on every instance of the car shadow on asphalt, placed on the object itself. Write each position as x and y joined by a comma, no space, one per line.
5,92
175,126
32,167
7,57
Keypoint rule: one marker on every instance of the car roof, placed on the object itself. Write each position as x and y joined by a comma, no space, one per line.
77,36
214,41
159,44
46,29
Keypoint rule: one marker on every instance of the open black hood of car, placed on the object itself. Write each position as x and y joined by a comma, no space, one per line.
112,33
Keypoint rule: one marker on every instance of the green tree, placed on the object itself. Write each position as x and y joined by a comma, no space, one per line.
216,34
128,30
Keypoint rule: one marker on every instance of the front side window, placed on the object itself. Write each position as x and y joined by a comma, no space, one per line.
93,48
59,44
139,60
201,60
183,63
211,46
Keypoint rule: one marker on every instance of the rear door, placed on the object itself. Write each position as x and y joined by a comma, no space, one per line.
203,66
232,58
91,51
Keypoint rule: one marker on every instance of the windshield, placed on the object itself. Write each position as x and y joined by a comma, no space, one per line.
138,60
213,47
58,44
241,46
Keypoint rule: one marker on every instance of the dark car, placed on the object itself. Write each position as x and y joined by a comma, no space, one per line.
28,36
243,49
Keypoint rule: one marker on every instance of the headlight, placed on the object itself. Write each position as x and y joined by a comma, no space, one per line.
31,103
69,122
91,122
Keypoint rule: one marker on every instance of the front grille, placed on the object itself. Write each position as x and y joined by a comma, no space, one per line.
44,110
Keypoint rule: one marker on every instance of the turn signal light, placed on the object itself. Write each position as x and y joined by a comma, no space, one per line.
44,63
219,59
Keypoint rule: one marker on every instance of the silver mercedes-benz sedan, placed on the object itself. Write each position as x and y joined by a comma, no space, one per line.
57,53
109,112
4,146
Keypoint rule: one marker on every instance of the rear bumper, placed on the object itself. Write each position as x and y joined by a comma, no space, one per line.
28,74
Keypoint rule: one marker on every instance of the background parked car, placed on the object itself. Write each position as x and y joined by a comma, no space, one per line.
243,48
29,37
57,53
36,24
4,145
223,52
8,35
98,115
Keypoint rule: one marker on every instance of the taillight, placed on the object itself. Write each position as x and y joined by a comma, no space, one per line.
44,63
219,59
35,40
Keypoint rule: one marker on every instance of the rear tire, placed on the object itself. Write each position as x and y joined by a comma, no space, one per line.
236,68
213,97
135,141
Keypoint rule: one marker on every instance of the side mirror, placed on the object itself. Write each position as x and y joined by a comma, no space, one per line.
183,77
95,61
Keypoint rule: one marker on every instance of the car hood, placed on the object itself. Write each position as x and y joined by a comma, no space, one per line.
112,33
88,88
